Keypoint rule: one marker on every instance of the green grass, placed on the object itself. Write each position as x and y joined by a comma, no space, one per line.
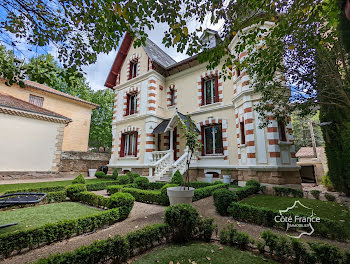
10,187
40,215
199,253
323,209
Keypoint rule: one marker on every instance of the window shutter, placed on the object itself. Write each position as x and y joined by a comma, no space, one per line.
122,145
136,138
202,83
222,141
127,105
202,135
216,89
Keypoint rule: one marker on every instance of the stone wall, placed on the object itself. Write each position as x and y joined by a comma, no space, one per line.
74,162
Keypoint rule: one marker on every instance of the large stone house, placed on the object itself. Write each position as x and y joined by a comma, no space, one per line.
153,92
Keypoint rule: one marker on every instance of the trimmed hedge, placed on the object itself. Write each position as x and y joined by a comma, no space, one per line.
40,189
114,188
74,190
123,201
230,236
99,186
207,191
79,179
123,179
264,216
155,185
177,178
102,175
148,196
198,185
141,182
132,176
223,199
286,191
93,199
54,232
56,197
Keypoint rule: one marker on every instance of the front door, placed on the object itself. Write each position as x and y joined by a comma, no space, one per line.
174,142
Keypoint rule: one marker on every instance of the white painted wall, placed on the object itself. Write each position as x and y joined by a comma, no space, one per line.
26,144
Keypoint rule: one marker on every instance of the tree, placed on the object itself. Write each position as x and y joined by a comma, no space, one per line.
301,131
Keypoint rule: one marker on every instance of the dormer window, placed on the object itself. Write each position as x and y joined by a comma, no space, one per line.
36,100
210,93
133,69
131,104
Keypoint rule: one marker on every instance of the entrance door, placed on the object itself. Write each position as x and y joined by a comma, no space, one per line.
174,142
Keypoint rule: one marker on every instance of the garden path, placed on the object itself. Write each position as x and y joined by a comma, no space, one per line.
143,215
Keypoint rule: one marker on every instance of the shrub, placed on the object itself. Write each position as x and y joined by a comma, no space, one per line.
217,182
286,191
301,253
100,174
207,191
206,227
141,182
182,220
40,189
148,196
325,253
155,185
123,179
315,194
326,181
329,197
253,183
79,179
114,188
56,197
177,178
115,173
53,232
74,190
132,176
145,238
230,236
123,201
222,200
246,191
99,185
94,199
198,185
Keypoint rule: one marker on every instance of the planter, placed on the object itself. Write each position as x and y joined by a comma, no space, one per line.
180,195
92,172
209,177
227,178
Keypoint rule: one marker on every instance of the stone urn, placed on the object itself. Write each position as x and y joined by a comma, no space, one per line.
92,172
180,194
209,177
227,178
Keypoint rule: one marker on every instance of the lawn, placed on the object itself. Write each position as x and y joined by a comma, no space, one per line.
10,187
199,253
40,215
323,209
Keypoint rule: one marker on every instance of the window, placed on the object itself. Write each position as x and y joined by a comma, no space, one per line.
36,100
129,144
172,97
131,104
212,140
242,132
133,69
282,131
210,93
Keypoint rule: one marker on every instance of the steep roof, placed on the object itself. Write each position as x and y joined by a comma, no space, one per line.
8,101
48,89
307,152
158,55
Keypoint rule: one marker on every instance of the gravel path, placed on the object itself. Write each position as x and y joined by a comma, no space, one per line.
140,216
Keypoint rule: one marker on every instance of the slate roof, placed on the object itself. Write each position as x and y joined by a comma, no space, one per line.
158,55
9,101
164,124
161,127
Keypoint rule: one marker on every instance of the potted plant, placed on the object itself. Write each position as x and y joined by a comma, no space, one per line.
92,172
185,193
227,175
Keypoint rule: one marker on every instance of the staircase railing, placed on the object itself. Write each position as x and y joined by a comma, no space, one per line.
163,165
181,164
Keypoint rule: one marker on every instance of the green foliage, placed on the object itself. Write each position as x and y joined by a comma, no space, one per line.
79,179
246,191
141,182
155,185
100,174
114,188
50,233
132,176
198,185
182,220
56,197
325,253
286,191
207,191
123,179
123,201
316,194
326,181
223,199
144,239
39,189
115,173
74,190
263,216
177,178
148,196
254,183
206,228
94,199
230,236
329,197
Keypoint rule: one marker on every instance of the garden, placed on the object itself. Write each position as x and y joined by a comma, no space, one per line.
73,208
